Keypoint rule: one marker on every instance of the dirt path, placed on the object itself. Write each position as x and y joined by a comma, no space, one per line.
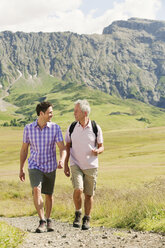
65,236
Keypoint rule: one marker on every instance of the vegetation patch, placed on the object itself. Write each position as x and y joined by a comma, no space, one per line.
143,119
119,113
10,237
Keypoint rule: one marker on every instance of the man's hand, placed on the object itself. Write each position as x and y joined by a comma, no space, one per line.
22,175
95,152
67,171
98,150
60,164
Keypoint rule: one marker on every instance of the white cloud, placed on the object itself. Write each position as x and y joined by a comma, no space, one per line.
13,12
65,15
130,8
144,9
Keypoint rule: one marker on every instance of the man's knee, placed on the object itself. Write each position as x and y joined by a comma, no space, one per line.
36,190
78,192
49,197
88,197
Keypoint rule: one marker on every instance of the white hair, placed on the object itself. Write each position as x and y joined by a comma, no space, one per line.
84,106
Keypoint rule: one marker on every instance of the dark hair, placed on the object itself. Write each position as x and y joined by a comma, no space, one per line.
42,106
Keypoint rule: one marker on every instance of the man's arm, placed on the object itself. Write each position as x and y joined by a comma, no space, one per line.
62,150
23,157
66,166
98,150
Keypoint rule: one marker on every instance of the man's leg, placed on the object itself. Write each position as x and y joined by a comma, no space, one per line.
77,198
88,202
36,178
77,181
38,202
48,205
39,205
48,189
89,189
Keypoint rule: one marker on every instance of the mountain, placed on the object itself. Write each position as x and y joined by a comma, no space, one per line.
127,60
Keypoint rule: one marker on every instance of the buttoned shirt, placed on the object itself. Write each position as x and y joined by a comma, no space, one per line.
83,141
42,145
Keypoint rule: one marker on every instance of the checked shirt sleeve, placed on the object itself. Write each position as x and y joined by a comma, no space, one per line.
59,136
25,135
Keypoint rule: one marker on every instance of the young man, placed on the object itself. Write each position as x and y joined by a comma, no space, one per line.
42,136
83,148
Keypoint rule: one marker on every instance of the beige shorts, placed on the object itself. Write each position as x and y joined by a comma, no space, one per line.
84,179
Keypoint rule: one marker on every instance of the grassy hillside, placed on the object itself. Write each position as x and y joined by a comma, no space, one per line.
130,188
110,111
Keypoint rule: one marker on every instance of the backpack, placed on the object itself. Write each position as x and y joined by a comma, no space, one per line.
72,126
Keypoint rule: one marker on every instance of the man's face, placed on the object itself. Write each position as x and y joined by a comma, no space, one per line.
48,114
78,113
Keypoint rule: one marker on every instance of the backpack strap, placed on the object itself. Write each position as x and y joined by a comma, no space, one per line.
95,129
71,128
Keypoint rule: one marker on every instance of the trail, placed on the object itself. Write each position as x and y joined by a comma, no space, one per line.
66,236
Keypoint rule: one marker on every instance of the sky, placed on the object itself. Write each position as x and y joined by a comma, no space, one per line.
78,16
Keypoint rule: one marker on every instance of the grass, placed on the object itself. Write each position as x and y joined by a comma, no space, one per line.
133,208
130,188
10,237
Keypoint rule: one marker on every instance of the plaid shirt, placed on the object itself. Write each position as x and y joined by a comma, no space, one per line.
42,145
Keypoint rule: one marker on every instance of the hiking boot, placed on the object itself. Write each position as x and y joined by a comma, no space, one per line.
42,227
86,223
49,226
77,220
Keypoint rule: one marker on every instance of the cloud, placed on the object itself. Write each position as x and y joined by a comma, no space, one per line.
144,9
65,15
130,8
13,12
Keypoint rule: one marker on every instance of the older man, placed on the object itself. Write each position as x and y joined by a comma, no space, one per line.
42,136
84,141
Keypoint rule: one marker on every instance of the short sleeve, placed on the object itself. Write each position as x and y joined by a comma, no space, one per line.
67,136
99,135
26,135
59,136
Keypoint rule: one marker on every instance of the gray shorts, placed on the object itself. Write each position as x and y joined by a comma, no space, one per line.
84,179
43,180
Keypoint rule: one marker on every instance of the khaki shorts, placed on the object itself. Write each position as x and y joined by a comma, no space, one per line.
84,179
45,181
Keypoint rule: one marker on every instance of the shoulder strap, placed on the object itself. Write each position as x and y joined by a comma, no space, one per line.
71,128
94,127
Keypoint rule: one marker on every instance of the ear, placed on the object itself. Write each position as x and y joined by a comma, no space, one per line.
41,113
85,114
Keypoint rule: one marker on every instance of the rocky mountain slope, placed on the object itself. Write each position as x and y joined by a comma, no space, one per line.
127,60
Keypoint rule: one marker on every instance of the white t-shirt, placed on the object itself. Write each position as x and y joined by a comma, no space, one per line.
83,141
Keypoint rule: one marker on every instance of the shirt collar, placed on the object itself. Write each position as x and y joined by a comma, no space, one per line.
48,124
88,125
35,123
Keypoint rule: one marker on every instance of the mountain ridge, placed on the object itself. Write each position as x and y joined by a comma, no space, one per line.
127,60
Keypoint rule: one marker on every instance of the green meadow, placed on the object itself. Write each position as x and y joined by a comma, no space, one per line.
131,180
